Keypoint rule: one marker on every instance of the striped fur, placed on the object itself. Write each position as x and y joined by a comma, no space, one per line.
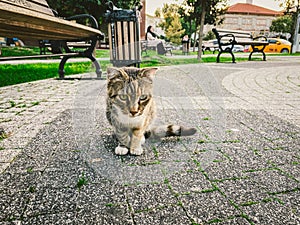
131,109
169,131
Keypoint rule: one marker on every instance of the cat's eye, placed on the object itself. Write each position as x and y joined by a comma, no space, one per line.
143,97
123,97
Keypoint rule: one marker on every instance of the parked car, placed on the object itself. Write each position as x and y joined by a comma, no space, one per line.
277,45
238,48
211,45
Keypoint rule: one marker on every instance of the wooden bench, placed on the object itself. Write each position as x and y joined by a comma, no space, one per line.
227,39
35,20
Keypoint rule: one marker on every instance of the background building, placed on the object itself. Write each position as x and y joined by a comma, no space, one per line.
249,17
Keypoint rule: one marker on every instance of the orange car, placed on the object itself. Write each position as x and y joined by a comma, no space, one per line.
277,45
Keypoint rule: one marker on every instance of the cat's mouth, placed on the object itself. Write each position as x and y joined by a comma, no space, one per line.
134,112
133,115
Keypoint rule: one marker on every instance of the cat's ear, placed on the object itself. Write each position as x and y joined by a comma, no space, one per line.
148,72
113,72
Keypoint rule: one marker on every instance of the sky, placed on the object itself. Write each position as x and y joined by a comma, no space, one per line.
152,5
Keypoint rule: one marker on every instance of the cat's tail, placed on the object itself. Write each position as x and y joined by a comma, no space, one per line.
169,131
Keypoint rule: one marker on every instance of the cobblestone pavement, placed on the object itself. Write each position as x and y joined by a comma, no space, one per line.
57,164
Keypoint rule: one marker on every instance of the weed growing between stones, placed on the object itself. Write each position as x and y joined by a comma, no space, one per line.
82,181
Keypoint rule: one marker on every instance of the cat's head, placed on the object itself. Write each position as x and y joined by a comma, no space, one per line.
130,89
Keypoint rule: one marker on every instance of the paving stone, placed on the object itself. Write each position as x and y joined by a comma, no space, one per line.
22,181
243,191
8,155
14,142
235,221
51,201
59,219
24,163
13,204
291,202
115,214
204,207
189,181
273,181
292,169
278,157
146,197
271,213
223,170
3,166
167,215
59,179
103,203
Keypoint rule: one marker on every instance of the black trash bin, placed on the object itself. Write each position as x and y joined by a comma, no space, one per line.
185,46
124,36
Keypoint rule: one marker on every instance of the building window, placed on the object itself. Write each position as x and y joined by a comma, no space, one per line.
247,21
261,22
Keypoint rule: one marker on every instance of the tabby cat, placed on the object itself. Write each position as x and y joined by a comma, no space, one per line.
131,109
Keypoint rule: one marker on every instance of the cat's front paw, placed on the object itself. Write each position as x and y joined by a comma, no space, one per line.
136,151
121,150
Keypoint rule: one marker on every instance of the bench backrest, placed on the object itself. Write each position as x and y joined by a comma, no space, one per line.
239,35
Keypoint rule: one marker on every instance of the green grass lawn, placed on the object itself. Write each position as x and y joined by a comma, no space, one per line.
20,73
19,51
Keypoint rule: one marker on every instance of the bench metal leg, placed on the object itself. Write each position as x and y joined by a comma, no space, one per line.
264,55
249,58
88,53
218,57
61,70
232,56
97,65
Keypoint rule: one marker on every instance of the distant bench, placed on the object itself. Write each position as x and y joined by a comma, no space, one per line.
227,39
160,48
35,20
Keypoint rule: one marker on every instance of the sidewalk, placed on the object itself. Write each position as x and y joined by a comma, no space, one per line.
57,164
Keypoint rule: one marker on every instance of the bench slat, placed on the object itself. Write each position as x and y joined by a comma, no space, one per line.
252,42
26,23
40,6
233,31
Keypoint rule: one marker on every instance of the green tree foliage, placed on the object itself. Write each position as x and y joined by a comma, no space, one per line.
289,5
283,24
96,8
191,10
172,24
175,32
158,12
292,8
209,36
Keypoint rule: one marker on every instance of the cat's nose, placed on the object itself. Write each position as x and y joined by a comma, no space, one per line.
133,112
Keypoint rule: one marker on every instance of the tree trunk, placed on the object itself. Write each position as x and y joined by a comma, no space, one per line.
195,41
203,4
296,35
